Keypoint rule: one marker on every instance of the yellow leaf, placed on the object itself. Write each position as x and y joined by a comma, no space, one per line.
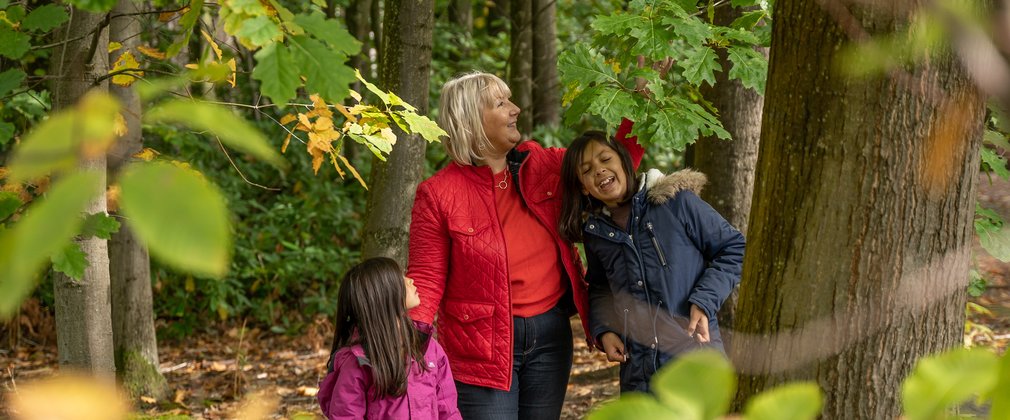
146,155
167,16
147,399
333,160
68,397
151,52
126,61
387,133
287,140
353,171
231,78
319,107
285,120
317,159
119,126
355,95
115,46
112,197
347,115
213,45
192,66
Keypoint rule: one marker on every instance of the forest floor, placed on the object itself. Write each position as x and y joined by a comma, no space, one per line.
211,373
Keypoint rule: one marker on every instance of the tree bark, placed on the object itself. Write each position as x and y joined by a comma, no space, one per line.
546,85
860,232
377,41
357,17
405,69
520,74
730,165
461,16
136,346
83,308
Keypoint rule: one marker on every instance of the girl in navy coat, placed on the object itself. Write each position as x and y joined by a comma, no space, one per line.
661,260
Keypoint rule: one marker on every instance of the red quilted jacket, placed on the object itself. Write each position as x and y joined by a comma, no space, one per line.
458,261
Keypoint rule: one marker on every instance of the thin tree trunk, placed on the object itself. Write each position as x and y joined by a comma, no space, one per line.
860,232
136,346
461,16
546,85
358,16
83,308
730,164
405,71
520,75
377,40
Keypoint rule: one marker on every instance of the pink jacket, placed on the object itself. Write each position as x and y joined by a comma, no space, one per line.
344,393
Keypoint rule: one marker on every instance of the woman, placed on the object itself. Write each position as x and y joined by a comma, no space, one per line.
488,262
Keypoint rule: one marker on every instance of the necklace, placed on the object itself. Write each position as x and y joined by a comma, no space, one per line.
503,184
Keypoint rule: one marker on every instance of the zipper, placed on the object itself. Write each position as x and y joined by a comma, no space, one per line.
655,243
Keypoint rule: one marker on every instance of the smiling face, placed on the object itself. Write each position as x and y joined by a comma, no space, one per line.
498,118
602,174
412,298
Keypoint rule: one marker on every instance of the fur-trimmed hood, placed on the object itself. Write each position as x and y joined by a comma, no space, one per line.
662,188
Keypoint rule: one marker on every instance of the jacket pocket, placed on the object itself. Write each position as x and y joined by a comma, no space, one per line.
468,330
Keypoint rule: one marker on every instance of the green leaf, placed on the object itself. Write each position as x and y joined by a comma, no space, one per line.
636,406
277,72
749,67
947,379
584,66
611,104
186,23
181,217
325,70
6,132
9,80
45,228
44,18
378,145
9,203
260,31
51,146
745,3
420,124
747,20
581,104
15,13
692,30
995,162
795,401
99,225
700,65
70,261
95,6
616,24
13,44
996,139
703,378
331,31
654,40
220,122
1000,403
4,3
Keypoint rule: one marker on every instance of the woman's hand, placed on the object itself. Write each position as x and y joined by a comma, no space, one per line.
614,347
698,326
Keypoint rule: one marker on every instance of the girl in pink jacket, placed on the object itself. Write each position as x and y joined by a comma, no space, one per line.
383,365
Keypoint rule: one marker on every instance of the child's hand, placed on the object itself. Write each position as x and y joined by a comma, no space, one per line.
614,347
698,324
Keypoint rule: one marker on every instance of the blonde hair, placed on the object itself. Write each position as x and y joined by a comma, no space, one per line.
460,112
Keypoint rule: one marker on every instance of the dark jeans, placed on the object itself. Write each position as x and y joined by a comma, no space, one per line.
541,362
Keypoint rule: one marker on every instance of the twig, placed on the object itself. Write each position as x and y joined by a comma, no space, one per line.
14,384
130,72
239,170
174,368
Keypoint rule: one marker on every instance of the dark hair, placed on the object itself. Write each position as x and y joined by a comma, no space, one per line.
371,310
573,201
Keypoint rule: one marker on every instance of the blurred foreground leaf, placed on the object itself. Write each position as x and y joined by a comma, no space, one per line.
46,227
949,378
181,217
795,401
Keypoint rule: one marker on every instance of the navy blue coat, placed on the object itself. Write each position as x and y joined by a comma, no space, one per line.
677,251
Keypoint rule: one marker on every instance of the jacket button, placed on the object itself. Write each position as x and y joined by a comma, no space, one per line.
611,234
653,345
639,283
470,230
550,193
592,226
466,316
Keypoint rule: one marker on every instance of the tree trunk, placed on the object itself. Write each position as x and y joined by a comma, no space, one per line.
405,69
729,165
136,346
376,36
83,308
358,16
860,232
461,16
520,77
546,85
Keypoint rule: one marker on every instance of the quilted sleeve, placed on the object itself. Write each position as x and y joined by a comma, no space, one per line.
428,260
722,246
343,391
